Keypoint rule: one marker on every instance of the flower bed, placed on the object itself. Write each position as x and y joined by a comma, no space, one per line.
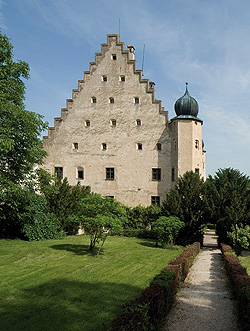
240,282
148,311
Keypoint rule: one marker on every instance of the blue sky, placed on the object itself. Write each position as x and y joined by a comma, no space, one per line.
206,43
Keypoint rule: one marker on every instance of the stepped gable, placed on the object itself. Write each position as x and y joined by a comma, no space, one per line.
149,85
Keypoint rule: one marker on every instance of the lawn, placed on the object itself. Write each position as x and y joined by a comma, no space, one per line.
245,261
59,285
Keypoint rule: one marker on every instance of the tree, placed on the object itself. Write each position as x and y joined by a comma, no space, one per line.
167,229
99,215
227,197
185,201
63,200
20,143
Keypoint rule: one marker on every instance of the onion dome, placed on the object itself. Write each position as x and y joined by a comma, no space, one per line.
186,106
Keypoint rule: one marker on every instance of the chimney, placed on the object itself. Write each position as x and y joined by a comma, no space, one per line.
131,54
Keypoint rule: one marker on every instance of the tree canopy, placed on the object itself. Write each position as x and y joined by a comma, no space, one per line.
20,143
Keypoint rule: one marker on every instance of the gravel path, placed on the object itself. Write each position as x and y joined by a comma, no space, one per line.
204,302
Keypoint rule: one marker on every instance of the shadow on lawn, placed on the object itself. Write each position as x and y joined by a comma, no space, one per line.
76,249
65,305
148,243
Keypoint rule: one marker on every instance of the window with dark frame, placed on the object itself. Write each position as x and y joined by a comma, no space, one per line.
122,78
104,78
197,171
87,123
139,146
93,99
173,174
196,144
155,200
156,174
110,173
136,100
75,145
59,172
158,146
113,56
80,173
113,122
104,146
138,122
111,100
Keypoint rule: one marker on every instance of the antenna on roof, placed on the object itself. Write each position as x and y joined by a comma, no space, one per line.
143,58
119,27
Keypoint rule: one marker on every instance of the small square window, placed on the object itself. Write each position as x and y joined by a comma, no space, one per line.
136,100
75,145
111,100
113,56
104,78
104,146
59,172
87,123
113,122
156,174
138,122
158,146
122,78
139,146
155,200
110,173
93,99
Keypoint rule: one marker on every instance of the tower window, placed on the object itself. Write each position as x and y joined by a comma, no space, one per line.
104,146
111,100
173,174
155,200
59,172
113,56
122,78
197,171
93,99
156,174
110,173
136,100
196,144
104,78
139,146
158,146
75,145
87,123
138,122
113,122
80,173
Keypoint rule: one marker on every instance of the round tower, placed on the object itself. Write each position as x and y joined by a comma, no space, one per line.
187,151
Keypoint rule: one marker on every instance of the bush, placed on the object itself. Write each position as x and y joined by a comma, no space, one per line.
240,282
148,311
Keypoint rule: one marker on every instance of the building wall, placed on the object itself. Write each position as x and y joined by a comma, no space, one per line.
133,184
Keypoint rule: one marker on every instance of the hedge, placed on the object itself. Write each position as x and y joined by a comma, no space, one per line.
148,311
240,281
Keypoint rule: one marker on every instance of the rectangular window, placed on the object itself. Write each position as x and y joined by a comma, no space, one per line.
122,78
139,146
113,56
75,145
93,99
155,200
173,174
197,171
59,172
158,146
136,100
80,174
110,173
156,174
104,146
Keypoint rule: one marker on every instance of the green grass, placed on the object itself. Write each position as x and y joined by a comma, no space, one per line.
245,261
59,285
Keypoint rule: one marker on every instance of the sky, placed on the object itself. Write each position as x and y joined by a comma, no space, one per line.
204,43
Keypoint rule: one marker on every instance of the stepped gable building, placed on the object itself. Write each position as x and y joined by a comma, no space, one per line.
115,137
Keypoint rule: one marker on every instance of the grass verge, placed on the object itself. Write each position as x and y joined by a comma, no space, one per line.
59,285
245,261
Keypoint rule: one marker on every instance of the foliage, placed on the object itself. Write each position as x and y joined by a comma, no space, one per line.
63,199
185,201
59,282
25,214
141,217
167,229
227,199
20,143
240,238
99,215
